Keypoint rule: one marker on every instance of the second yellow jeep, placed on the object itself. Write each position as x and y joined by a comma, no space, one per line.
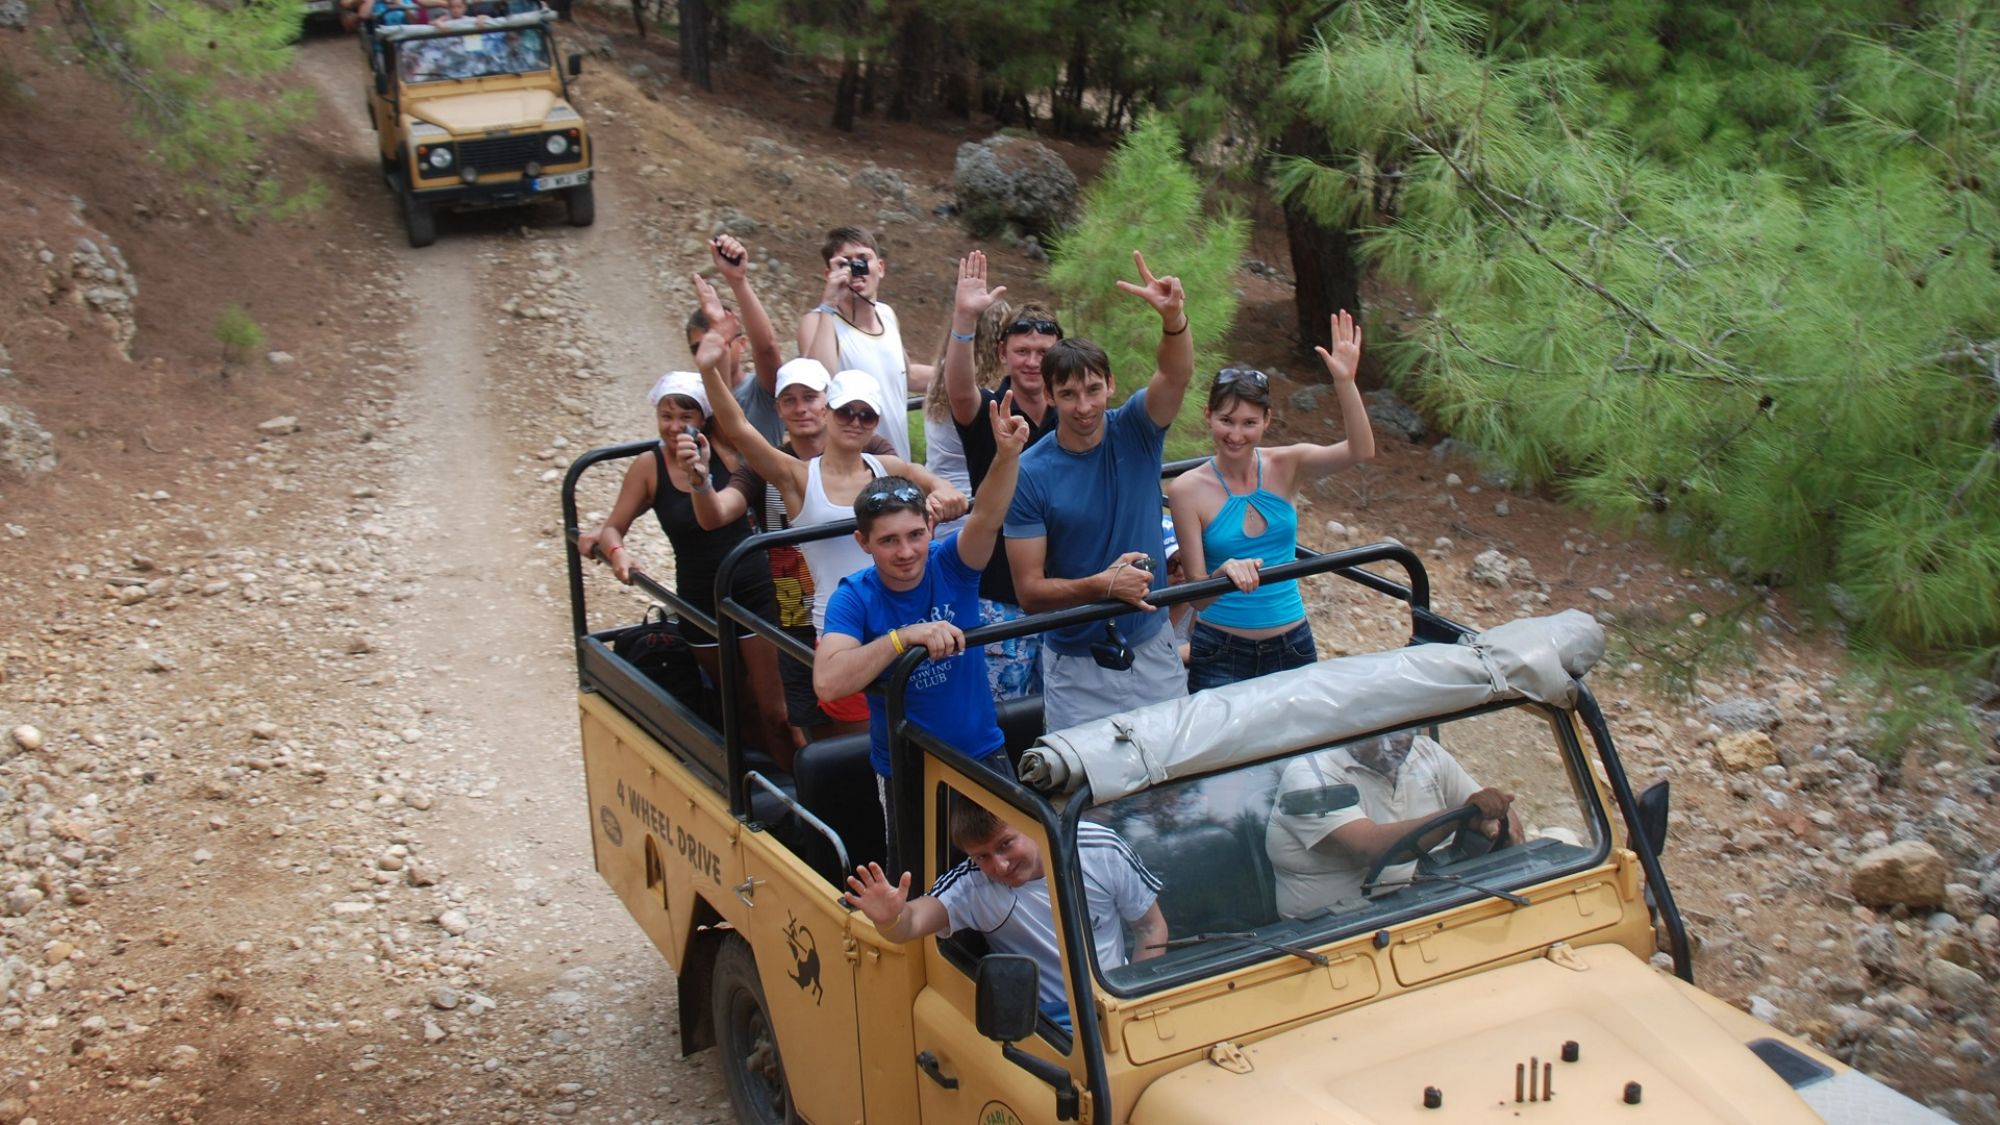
473,112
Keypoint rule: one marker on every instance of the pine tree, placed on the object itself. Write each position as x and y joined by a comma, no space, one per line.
1149,199
194,76
1801,376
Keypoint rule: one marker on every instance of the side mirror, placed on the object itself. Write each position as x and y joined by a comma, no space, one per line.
381,84
1005,1001
1006,992
1653,816
575,65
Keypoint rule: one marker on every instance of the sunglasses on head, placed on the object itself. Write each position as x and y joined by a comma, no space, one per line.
1041,327
859,414
875,501
1248,375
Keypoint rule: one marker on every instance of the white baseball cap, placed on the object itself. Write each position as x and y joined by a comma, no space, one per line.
687,384
804,371
855,386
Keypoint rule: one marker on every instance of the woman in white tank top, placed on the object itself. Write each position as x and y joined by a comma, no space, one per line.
822,490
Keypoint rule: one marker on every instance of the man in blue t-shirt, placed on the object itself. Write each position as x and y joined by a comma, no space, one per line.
921,592
1085,522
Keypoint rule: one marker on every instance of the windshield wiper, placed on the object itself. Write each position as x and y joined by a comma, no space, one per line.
1298,951
1441,877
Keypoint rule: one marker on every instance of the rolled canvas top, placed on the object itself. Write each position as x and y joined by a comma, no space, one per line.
1536,658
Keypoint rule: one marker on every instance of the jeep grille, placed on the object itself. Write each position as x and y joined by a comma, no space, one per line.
502,154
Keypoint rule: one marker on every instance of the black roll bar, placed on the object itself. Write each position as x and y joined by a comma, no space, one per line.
1415,591
1642,844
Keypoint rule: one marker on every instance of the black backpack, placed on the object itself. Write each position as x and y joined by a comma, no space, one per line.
655,648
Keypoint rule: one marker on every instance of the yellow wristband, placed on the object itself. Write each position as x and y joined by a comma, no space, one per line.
896,639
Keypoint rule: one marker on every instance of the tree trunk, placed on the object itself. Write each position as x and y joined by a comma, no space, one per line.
868,89
909,89
694,44
1323,262
847,92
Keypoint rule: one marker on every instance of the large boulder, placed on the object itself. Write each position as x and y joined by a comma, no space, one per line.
1007,181
1908,872
24,446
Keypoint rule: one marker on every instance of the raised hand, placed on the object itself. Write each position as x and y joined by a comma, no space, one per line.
707,299
1163,293
973,297
1010,430
871,892
723,337
1345,358
729,256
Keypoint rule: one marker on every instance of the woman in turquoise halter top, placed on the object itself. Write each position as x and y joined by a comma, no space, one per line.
1234,515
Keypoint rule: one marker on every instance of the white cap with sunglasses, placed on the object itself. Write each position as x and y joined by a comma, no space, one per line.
855,388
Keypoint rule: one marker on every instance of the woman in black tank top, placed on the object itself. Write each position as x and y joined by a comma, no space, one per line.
661,481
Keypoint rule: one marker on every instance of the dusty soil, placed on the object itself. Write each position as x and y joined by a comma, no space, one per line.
303,832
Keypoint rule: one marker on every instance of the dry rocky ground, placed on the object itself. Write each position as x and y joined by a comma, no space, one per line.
290,814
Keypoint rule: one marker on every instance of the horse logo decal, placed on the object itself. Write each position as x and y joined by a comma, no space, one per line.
805,951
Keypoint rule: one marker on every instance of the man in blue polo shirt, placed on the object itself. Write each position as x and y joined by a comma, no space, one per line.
921,592
1085,522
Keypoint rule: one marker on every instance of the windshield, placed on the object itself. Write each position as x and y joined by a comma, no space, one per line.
476,55
1281,856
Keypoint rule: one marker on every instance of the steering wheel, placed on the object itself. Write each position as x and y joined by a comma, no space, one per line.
1409,848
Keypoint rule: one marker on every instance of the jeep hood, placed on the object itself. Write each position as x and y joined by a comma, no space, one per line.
486,111
1688,1052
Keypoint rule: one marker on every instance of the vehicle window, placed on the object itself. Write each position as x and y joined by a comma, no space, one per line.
476,55
1281,853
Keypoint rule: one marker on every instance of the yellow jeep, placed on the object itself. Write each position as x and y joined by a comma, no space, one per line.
1532,966
472,112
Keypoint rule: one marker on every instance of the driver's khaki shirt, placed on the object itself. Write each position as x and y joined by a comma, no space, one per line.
1430,782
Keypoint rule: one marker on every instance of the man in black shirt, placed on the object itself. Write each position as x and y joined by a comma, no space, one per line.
1013,667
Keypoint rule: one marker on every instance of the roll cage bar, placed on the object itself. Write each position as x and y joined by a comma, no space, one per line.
694,742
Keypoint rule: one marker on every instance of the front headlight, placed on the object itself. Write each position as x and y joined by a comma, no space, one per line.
558,144
439,158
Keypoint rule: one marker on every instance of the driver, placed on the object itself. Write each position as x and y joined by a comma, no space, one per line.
1323,846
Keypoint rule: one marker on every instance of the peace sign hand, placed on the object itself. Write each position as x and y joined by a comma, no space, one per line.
1163,293
1010,430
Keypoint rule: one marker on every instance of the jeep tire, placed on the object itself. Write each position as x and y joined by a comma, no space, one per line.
418,218
745,1037
582,204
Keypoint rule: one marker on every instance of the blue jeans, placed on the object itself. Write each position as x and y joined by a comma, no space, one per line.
1216,658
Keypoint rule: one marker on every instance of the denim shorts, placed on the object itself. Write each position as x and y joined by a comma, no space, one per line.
1216,658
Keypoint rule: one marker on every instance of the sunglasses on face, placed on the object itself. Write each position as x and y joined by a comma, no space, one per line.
878,500
1248,375
856,414
1040,327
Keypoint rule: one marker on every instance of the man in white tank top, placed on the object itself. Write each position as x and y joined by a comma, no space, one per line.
850,329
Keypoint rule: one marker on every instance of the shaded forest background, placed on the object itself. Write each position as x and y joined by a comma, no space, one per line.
1726,271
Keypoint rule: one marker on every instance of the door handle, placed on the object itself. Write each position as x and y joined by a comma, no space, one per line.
928,1063
747,890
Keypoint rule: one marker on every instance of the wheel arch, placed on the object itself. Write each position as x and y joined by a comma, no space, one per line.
709,931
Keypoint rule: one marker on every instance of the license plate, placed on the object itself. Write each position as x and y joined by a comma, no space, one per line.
318,7
562,180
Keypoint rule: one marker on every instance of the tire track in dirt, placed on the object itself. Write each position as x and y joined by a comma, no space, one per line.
490,624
